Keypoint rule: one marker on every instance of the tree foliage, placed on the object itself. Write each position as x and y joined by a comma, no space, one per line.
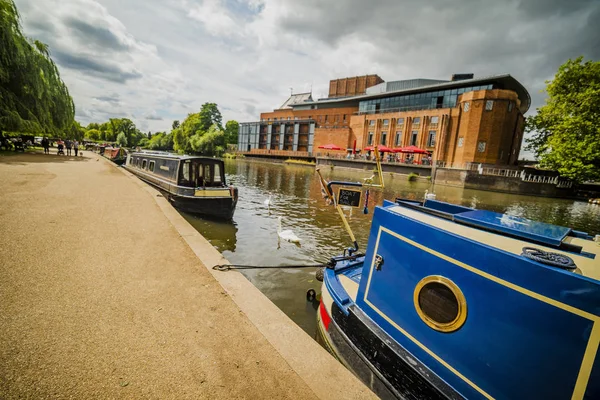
188,128
122,139
209,143
160,141
209,116
231,132
110,130
92,134
566,130
203,133
33,98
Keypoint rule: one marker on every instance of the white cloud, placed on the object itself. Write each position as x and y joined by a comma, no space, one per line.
165,58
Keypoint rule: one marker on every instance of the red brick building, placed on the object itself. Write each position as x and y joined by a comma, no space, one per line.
472,120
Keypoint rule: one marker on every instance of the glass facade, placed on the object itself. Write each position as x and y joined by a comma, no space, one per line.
418,101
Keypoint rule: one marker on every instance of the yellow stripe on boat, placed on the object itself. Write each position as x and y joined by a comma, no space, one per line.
213,193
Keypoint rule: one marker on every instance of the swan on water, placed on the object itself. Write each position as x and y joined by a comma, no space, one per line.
268,203
429,196
288,234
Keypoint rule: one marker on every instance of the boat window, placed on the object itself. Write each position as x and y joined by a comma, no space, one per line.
440,303
144,164
185,173
151,166
207,176
217,174
201,181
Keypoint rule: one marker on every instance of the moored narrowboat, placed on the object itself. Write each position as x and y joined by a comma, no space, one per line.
118,155
192,184
452,302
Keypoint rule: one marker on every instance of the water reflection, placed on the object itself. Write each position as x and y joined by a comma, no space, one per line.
296,196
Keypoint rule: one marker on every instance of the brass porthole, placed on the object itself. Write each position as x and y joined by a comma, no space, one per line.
440,303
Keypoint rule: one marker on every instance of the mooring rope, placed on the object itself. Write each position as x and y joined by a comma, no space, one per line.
227,267
552,259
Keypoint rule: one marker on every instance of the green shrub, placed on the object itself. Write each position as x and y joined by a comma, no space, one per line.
412,177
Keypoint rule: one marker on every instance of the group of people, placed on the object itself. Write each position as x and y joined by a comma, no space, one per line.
60,144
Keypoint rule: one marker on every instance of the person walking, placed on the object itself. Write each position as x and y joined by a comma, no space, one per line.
46,145
76,147
68,145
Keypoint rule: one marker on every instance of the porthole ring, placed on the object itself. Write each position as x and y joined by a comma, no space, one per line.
461,304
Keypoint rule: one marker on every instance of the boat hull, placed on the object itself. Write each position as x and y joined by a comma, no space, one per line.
217,207
386,368
220,208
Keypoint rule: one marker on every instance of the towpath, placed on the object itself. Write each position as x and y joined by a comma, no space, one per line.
101,297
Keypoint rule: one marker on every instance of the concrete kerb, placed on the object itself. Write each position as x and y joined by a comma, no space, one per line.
322,373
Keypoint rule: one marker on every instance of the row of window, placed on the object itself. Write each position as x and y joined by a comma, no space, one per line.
481,145
320,118
400,121
142,164
489,106
434,99
414,136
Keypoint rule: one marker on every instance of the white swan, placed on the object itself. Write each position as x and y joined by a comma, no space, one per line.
429,196
268,201
287,234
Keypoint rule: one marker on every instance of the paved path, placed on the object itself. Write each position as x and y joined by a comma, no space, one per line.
101,298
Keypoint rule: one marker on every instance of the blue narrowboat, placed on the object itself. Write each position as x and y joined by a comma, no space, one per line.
452,302
192,184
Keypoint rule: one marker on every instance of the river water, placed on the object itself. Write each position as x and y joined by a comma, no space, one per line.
251,239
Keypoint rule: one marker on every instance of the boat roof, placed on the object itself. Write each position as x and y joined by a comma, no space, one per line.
508,232
173,156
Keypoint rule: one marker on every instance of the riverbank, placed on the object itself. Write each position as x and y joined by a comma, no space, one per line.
108,292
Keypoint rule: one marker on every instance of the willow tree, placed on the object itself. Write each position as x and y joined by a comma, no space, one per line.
33,98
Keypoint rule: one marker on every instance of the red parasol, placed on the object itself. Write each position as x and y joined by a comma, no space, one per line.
410,149
330,147
382,149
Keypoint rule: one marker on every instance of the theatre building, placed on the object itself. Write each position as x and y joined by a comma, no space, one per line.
459,121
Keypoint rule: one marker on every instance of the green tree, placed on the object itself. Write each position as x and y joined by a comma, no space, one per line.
175,125
161,141
76,131
566,130
211,143
209,116
231,132
93,125
122,139
92,134
33,98
191,126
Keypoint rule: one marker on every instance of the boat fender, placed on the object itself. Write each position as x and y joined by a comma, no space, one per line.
320,274
547,258
311,295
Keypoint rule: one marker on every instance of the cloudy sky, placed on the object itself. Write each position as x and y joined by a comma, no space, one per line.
155,61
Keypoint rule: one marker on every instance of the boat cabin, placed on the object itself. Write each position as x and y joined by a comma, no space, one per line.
193,184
